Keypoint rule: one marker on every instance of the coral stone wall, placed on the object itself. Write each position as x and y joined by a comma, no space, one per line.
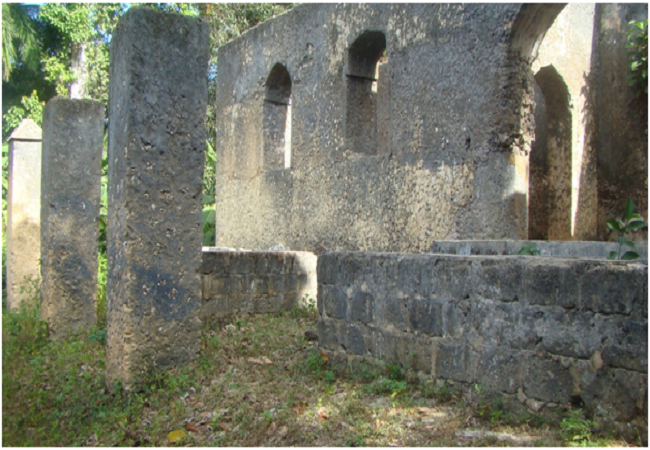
440,106
542,332
254,282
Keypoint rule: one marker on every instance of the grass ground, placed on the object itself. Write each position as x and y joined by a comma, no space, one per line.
257,382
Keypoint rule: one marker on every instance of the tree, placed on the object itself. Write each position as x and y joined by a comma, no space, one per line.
19,39
78,65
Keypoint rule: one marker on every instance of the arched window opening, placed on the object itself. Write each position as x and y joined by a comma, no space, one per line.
276,123
367,94
549,216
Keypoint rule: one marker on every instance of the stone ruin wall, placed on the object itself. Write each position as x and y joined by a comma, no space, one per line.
455,126
582,321
542,333
438,172
235,283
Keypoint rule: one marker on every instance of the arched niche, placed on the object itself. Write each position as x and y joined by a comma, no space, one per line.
367,94
276,120
550,159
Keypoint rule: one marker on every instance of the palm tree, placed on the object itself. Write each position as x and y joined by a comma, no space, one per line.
19,39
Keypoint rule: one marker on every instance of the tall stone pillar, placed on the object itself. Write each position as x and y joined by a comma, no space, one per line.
23,211
73,131
158,99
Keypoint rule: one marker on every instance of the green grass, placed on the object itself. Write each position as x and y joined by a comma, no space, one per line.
55,394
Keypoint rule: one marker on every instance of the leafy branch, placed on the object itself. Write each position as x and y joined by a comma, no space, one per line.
632,221
637,45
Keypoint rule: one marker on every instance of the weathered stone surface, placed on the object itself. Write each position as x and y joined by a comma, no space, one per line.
158,98
514,325
581,249
23,211
499,369
549,283
385,165
73,131
616,394
614,288
547,380
255,282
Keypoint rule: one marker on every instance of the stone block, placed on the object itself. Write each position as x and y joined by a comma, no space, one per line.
327,333
215,263
73,131
319,300
234,285
354,343
350,268
499,369
391,312
446,279
277,284
408,275
426,317
335,302
614,288
272,263
242,264
553,283
23,236
498,279
157,108
327,268
291,283
624,343
547,380
571,334
261,285
360,307
453,362
616,394
457,317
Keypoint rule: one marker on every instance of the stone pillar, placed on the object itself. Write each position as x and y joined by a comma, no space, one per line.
73,131
158,100
23,211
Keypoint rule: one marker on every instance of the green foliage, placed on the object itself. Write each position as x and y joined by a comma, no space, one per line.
576,429
209,179
86,26
637,45
23,331
19,39
30,108
530,250
631,222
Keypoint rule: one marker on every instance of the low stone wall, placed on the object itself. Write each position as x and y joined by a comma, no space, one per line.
542,332
585,249
234,282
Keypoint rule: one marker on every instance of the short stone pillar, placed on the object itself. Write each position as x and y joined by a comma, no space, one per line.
23,212
158,100
73,131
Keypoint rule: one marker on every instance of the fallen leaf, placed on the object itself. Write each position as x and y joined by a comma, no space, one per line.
324,355
204,344
255,361
299,408
189,426
266,360
282,432
378,425
322,414
223,427
272,428
176,435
